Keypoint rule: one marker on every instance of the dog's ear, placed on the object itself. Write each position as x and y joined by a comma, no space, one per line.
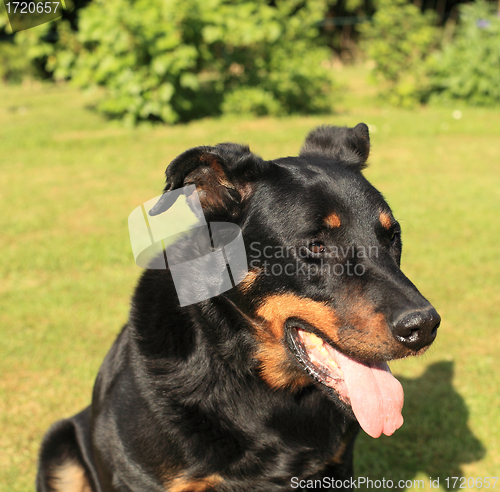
349,145
222,175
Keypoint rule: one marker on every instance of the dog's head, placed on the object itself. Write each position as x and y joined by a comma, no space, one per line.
324,293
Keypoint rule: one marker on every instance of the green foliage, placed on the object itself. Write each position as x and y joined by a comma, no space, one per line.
340,28
23,55
399,40
175,60
469,67
251,100
13,66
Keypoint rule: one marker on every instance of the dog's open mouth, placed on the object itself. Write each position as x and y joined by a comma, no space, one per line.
375,396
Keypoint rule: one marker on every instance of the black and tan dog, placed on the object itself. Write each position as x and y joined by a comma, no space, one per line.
265,386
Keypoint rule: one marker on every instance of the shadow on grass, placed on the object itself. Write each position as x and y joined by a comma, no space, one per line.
435,440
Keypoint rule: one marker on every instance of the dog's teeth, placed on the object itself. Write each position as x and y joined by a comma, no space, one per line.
314,358
323,350
314,341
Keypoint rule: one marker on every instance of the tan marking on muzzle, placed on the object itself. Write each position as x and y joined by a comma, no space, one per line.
365,333
277,367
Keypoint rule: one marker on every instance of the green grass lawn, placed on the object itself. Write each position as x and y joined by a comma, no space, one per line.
69,179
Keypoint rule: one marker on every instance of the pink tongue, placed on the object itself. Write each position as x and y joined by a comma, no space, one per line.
376,395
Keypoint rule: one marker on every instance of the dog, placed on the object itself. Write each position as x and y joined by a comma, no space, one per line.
264,386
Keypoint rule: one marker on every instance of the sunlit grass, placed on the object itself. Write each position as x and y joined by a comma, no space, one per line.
69,180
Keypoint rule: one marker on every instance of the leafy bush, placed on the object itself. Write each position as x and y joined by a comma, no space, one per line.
174,60
13,65
469,67
251,100
399,39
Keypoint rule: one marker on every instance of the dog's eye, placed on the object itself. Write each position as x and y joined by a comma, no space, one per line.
317,248
395,236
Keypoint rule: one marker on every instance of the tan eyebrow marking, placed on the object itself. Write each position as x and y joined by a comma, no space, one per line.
385,220
333,220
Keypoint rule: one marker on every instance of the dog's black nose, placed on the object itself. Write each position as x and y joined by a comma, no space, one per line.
417,329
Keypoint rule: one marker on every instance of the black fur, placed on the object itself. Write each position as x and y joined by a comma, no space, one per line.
182,401
350,146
